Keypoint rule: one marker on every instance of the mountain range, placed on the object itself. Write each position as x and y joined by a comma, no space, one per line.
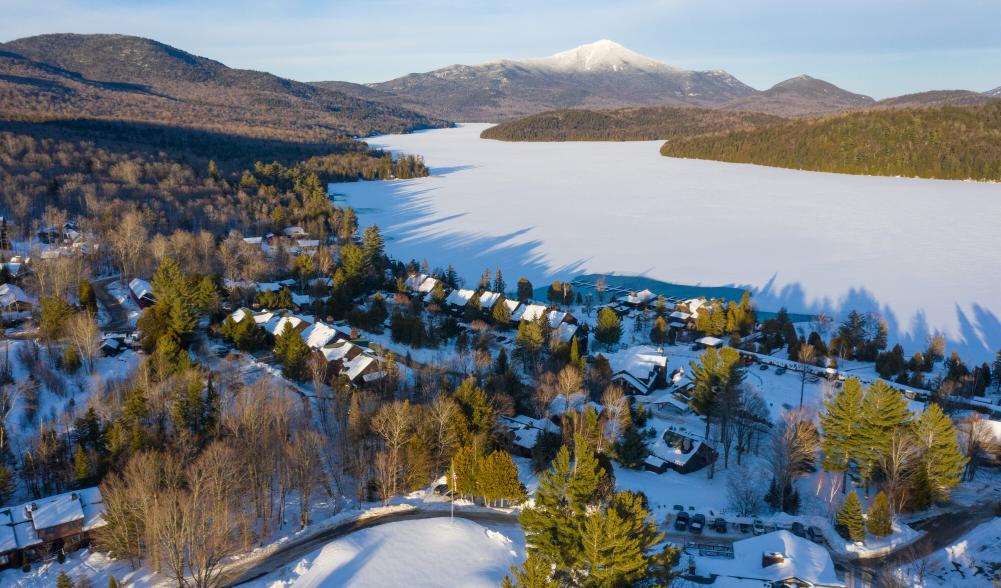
605,75
131,78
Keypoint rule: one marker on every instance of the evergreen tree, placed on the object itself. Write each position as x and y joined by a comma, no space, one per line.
497,479
840,421
484,280
879,519
466,469
7,484
631,449
63,580
534,573
849,519
291,351
71,359
529,339
659,332
499,284
81,467
501,314
372,248
207,296
525,290
451,277
88,300
941,458
55,313
884,409
182,320
609,329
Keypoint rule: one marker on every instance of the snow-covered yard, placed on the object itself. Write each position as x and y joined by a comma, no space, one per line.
420,553
972,562
809,241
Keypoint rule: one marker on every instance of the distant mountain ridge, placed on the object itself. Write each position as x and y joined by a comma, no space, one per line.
603,74
124,77
801,96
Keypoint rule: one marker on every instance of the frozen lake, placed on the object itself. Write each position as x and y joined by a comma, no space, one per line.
924,253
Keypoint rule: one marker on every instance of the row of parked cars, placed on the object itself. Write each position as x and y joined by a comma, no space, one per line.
696,523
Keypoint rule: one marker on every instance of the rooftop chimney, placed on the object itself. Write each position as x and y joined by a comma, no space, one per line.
770,558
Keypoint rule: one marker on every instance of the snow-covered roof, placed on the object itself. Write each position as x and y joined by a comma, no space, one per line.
25,535
141,288
301,299
459,297
308,243
512,305
337,351
565,332
640,297
420,283
10,293
93,516
427,285
680,315
8,541
269,286
709,341
800,558
294,231
556,317
578,401
526,429
528,312
239,314
673,451
253,240
263,317
638,364
355,367
319,334
488,299
277,324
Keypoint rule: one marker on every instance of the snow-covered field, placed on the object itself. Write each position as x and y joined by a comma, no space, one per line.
922,252
420,553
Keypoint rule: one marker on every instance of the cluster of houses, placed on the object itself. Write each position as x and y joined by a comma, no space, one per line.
344,354
564,324
295,240
49,526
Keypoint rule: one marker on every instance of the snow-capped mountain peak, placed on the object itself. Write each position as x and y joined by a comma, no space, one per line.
603,55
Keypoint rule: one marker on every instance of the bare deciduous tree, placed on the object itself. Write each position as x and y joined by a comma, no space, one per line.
84,333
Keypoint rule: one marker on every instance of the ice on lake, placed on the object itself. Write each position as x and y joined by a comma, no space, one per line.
926,254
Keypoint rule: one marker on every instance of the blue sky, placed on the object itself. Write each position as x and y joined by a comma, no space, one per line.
878,47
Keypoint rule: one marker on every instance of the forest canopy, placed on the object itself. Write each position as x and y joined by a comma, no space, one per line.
948,142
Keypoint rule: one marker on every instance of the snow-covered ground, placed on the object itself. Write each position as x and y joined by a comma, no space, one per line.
420,553
972,562
922,252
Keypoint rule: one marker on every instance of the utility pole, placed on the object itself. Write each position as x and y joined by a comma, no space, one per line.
451,499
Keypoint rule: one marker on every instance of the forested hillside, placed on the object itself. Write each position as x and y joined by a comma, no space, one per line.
948,142
120,77
98,171
626,124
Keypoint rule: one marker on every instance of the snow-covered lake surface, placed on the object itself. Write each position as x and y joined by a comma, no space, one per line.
924,253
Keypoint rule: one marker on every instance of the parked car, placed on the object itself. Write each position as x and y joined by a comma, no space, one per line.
798,529
681,521
748,360
780,371
764,367
678,507
698,523
719,525
442,490
815,534
758,527
745,528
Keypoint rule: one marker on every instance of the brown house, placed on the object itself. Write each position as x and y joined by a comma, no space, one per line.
45,527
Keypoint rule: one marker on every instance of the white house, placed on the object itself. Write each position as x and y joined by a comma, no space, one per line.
776,559
458,299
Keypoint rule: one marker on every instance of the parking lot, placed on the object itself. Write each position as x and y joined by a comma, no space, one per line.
706,534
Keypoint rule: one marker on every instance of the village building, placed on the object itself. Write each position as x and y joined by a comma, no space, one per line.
45,527
707,342
640,369
457,300
679,451
639,299
525,432
14,299
142,293
319,334
777,559
528,312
